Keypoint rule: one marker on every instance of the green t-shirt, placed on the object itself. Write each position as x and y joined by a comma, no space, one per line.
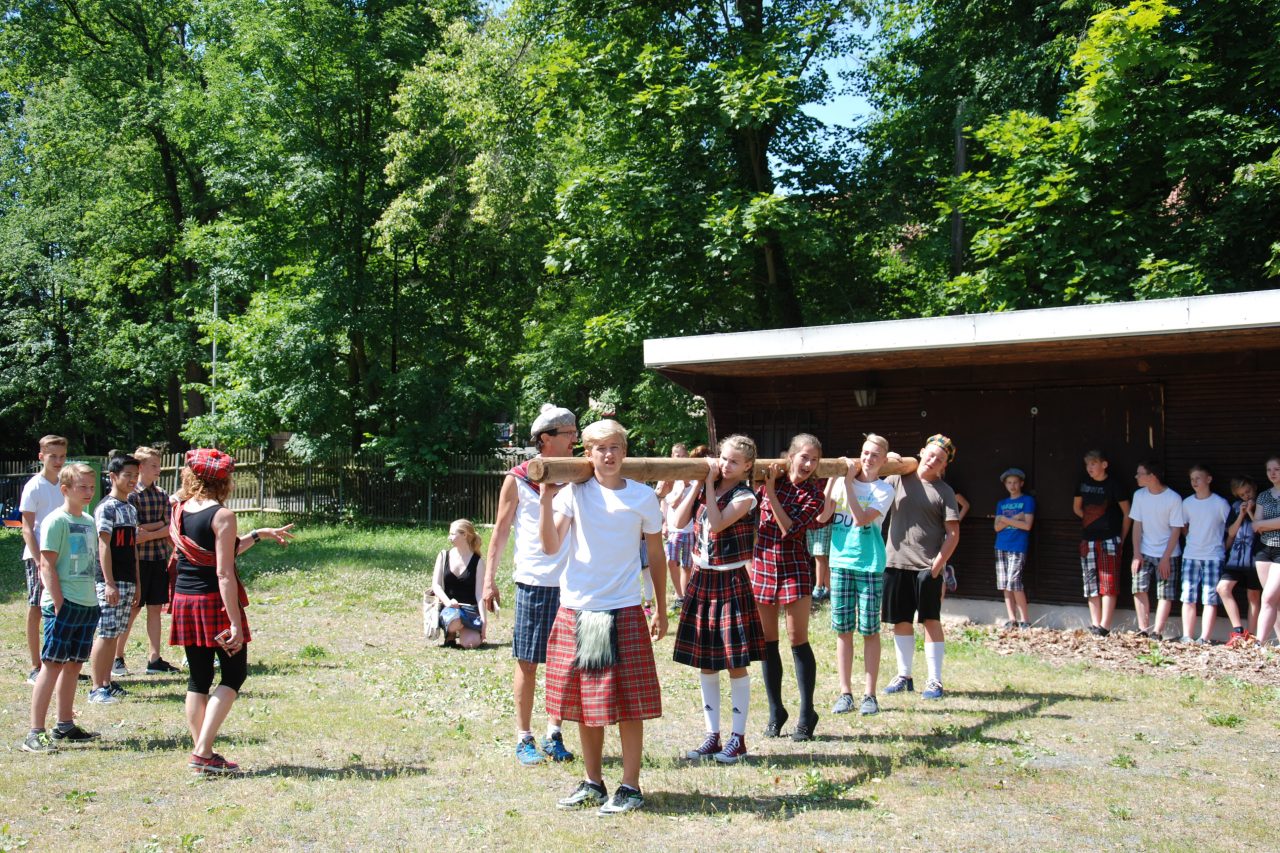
76,541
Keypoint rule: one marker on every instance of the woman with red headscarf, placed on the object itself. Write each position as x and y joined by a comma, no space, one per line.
208,599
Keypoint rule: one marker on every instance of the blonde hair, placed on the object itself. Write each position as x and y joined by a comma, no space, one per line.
52,441
67,476
142,454
878,440
468,530
742,444
601,430
194,488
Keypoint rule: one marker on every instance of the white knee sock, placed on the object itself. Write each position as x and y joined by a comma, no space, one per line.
740,696
905,648
711,700
933,657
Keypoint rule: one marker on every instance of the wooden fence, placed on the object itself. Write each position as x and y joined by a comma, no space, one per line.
359,486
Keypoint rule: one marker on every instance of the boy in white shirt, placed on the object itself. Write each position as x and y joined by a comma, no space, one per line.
1157,528
1206,514
600,667
40,496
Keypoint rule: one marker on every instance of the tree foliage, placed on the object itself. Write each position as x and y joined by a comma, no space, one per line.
422,218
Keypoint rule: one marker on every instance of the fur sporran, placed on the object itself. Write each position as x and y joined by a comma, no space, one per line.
595,639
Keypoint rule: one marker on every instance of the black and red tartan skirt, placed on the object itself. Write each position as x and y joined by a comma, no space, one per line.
719,623
197,619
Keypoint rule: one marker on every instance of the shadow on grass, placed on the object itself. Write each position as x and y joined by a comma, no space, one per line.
350,771
327,547
171,743
928,749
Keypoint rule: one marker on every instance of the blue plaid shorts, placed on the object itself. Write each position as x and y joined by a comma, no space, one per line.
35,588
1200,581
113,620
68,636
536,608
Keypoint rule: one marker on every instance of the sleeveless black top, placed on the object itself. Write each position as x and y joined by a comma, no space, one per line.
192,579
461,589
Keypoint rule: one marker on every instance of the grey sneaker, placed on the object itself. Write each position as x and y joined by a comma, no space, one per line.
625,799
33,675
102,696
39,742
587,794
118,669
843,705
869,706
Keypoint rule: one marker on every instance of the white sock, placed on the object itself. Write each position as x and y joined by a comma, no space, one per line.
711,700
552,729
933,657
904,646
740,696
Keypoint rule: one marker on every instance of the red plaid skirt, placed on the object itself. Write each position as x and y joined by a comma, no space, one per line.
197,619
781,581
719,624
627,691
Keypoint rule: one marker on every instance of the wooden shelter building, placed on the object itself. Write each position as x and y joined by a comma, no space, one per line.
1175,380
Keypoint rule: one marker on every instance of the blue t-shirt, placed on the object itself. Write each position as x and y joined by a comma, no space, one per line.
1011,538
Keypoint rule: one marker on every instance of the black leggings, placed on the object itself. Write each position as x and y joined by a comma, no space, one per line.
235,668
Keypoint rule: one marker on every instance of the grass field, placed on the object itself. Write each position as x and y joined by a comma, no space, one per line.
356,734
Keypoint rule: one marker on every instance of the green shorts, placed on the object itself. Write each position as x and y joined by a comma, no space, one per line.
855,601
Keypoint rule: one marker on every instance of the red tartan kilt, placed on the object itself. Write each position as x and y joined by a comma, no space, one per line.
197,619
719,623
627,691
783,576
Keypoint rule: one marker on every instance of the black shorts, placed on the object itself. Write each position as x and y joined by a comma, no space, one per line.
1246,576
910,594
1267,555
153,582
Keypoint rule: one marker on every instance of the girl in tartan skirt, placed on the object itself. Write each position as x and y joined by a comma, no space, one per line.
600,667
782,578
209,600
719,624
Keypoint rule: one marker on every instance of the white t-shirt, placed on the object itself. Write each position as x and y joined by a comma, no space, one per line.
1159,515
679,490
41,497
1206,526
534,566
605,526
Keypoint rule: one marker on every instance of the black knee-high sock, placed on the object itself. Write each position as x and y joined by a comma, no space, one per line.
806,677
771,669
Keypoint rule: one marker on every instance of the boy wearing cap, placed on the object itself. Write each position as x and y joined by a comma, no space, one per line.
924,529
537,579
1014,517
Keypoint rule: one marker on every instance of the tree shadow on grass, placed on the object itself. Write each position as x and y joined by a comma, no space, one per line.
350,771
171,743
928,749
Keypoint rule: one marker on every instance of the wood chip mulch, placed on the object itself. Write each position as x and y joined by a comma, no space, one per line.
1124,652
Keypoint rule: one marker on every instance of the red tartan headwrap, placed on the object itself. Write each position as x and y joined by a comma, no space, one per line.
209,463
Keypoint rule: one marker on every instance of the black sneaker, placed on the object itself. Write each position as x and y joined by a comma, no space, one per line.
804,729
625,799
1103,632
160,666
73,735
118,669
774,727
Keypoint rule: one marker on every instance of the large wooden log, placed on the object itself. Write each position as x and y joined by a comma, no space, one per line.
577,469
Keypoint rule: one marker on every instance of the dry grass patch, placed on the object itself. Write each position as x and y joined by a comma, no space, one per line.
355,734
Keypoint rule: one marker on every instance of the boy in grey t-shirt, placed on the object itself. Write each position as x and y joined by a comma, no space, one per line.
924,529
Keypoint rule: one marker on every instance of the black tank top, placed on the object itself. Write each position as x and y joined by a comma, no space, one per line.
461,589
198,526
